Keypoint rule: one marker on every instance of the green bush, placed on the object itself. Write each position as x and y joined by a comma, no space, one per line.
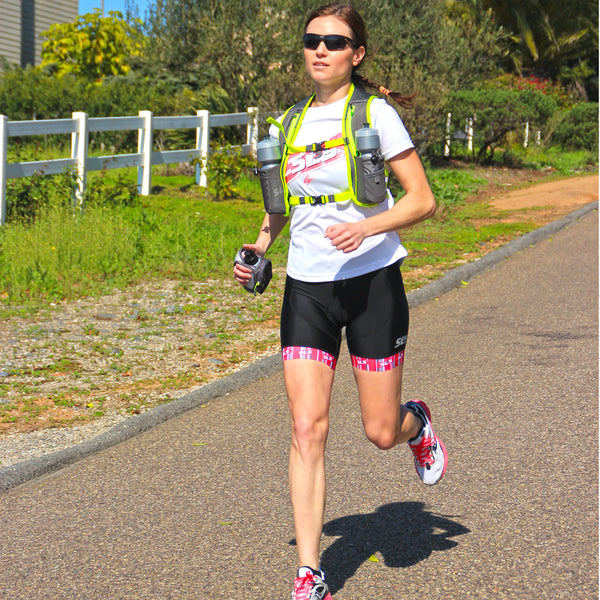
225,166
31,93
499,112
579,128
27,196
509,81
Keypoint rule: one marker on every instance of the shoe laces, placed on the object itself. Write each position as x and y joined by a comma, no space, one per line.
423,451
303,587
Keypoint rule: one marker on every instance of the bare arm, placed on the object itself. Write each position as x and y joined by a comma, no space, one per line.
271,227
416,205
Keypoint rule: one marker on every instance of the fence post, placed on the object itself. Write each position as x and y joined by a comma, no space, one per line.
79,149
469,132
252,129
526,136
145,142
3,157
447,142
202,142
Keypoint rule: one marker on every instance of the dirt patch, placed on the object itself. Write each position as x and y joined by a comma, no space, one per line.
124,353
556,198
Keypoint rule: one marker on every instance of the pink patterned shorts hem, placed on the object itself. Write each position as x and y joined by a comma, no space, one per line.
378,364
307,353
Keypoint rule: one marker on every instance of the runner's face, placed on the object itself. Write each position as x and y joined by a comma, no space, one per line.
332,68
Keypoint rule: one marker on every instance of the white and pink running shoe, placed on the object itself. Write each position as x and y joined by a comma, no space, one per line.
310,586
431,458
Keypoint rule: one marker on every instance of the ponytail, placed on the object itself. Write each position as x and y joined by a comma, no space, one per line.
400,99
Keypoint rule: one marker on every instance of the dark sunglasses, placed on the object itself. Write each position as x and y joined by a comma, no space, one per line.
312,41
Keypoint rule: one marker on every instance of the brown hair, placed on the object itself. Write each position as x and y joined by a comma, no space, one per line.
351,17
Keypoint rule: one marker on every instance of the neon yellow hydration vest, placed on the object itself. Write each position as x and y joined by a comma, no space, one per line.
356,115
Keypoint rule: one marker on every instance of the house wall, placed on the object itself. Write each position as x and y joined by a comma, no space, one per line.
48,12
22,23
10,30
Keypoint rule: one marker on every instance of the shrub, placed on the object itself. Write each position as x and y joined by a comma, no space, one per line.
27,196
579,128
508,81
498,112
225,166
31,93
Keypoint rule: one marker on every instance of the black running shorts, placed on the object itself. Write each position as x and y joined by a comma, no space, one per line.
372,307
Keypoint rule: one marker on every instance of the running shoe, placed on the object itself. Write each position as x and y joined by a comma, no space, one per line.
431,458
309,585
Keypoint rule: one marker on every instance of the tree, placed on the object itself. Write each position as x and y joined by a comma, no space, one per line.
550,38
92,46
414,47
232,45
253,51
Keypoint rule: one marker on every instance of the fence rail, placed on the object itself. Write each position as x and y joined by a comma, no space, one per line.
80,126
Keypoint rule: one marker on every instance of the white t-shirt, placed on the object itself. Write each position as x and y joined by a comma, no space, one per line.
311,256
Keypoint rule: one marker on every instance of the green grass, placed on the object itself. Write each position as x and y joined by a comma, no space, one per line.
176,233
459,231
564,163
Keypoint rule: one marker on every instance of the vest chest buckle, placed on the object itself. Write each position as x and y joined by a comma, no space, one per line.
317,148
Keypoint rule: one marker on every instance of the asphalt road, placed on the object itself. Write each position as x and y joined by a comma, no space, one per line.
197,506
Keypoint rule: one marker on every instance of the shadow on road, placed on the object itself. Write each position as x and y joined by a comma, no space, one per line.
402,533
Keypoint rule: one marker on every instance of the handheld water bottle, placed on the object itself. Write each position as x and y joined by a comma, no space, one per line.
261,268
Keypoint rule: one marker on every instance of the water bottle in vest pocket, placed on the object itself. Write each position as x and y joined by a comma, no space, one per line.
269,154
370,167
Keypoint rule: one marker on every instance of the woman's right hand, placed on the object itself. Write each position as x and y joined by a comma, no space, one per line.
270,229
241,273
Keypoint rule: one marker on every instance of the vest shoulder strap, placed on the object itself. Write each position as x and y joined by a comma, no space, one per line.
360,102
359,94
289,115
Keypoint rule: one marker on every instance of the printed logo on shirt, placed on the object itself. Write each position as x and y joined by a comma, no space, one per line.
303,164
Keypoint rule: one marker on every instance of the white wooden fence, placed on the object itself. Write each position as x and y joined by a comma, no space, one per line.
467,136
80,126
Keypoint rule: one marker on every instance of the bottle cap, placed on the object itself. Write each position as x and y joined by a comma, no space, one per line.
367,139
268,151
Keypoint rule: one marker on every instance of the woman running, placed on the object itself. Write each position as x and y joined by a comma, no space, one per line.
343,271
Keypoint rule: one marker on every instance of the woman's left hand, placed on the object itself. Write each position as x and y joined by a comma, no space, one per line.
346,236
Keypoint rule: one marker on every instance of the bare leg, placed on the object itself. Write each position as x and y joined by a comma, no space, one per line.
308,385
386,421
